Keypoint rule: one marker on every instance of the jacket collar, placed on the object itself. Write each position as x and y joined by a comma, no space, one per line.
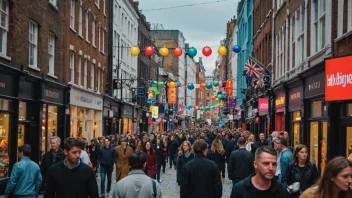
274,183
24,158
199,156
136,172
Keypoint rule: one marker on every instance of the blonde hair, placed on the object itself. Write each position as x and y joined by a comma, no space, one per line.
217,146
251,138
180,149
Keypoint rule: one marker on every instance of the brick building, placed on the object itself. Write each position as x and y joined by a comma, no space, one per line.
200,92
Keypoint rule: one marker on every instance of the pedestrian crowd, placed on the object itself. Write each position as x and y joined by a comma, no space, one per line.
268,167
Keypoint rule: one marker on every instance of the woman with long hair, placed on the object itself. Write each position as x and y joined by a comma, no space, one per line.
93,150
217,154
139,146
335,183
300,171
159,152
185,154
151,167
250,145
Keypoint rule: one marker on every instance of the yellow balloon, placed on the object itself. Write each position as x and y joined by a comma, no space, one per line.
164,51
135,51
222,50
172,84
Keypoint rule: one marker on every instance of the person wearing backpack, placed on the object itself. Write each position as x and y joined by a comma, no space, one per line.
137,184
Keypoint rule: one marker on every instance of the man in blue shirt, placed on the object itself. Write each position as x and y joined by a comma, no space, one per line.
25,177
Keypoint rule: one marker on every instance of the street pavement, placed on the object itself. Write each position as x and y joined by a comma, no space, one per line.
169,186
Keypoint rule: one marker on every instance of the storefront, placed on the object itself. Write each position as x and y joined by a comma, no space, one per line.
86,114
317,122
264,119
110,115
295,106
338,93
280,112
127,118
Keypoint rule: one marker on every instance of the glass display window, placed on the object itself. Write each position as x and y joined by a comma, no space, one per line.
296,116
323,146
314,141
296,134
43,136
49,126
4,142
52,123
316,109
349,141
5,105
349,109
22,111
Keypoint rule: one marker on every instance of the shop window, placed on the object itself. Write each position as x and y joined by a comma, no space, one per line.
43,142
297,116
4,142
49,126
22,110
349,141
323,145
349,109
296,134
316,109
314,136
52,123
5,105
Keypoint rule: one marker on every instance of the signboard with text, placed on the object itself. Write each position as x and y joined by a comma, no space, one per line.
263,106
85,99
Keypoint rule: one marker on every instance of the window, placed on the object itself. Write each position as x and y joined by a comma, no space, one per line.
87,25
122,49
319,29
54,2
98,81
33,43
80,19
102,43
340,18
4,151
72,67
104,7
99,41
85,72
92,76
72,14
349,11
280,55
298,31
349,109
79,70
93,33
4,17
51,52
97,3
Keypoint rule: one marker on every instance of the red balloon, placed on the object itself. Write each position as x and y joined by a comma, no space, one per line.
206,51
149,51
178,51
213,97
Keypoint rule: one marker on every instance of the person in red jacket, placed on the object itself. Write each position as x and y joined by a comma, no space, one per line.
150,169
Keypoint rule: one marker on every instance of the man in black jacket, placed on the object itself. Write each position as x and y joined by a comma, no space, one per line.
55,155
262,141
232,145
262,183
200,177
71,177
240,164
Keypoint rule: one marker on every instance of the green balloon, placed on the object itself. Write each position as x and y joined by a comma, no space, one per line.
155,82
207,108
202,108
160,84
215,83
219,96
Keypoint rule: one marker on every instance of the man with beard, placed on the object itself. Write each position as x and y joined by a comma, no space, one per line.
71,177
261,183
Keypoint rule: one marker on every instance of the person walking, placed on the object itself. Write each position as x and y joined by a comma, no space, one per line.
284,159
261,183
200,177
93,150
71,177
25,179
106,159
336,181
301,174
262,141
185,154
137,184
55,155
151,167
240,164
159,152
172,148
217,154
122,166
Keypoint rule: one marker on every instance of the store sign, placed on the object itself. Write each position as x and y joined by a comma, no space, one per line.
85,99
6,85
338,78
180,109
295,98
51,94
263,106
314,85
280,100
155,111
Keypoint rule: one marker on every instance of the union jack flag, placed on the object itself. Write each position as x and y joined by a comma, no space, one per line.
260,82
252,69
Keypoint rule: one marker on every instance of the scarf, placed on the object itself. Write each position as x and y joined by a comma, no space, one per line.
187,154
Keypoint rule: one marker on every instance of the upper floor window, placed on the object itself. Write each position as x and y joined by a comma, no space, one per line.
33,43
93,32
279,3
319,30
4,18
298,31
97,3
87,25
54,2
72,14
349,10
80,16
104,7
92,72
72,66
51,52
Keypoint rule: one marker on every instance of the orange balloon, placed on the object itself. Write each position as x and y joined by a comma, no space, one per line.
202,85
172,84
184,83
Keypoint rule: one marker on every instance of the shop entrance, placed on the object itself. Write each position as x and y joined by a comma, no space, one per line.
22,133
318,143
348,131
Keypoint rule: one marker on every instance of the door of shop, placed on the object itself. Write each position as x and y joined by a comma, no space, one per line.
23,131
347,131
318,143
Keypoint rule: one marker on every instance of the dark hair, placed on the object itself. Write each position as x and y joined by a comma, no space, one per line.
264,149
199,146
151,147
230,136
298,148
137,160
26,149
283,141
241,141
107,138
71,142
236,136
333,168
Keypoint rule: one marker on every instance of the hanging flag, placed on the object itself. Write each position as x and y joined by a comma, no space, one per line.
156,51
256,74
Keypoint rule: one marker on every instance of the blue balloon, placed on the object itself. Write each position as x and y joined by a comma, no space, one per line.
179,84
209,86
192,52
190,86
236,48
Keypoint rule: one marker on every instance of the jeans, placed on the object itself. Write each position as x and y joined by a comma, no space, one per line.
103,171
158,172
172,159
163,164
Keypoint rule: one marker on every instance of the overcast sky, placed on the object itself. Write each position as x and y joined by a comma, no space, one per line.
201,25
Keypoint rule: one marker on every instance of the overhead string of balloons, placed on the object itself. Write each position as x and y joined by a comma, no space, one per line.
191,52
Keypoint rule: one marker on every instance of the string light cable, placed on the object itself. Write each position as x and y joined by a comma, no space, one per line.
183,6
